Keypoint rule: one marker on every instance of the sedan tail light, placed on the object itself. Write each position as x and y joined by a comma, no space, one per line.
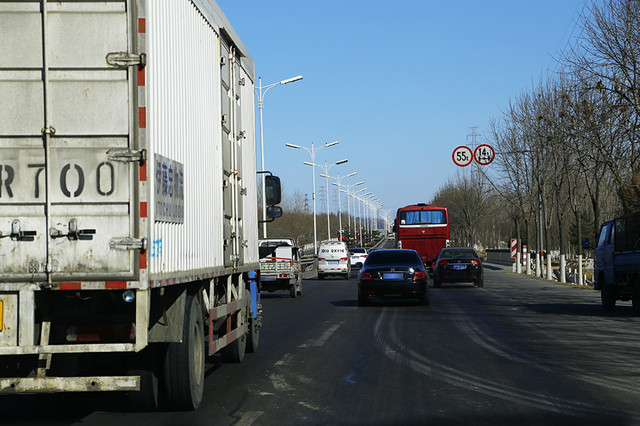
475,262
366,276
320,259
343,258
419,275
443,262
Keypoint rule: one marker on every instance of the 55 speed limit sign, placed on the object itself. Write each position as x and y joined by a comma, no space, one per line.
462,156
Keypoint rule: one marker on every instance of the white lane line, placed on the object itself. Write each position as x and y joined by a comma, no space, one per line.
249,418
326,335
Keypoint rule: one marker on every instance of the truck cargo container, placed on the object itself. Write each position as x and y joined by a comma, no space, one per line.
128,197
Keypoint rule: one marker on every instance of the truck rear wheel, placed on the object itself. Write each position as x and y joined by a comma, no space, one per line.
146,364
253,338
608,295
234,352
293,291
183,371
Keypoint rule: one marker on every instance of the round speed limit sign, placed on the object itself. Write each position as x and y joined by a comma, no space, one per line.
484,154
462,156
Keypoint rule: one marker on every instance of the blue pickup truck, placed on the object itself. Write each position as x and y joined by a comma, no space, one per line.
617,262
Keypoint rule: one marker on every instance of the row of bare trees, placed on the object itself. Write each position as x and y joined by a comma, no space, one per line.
567,151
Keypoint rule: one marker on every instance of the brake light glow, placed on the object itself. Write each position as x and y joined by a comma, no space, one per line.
419,275
443,262
343,258
320,259
366,276
475,262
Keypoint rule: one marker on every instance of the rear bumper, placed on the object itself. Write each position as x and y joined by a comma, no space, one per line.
459,276
390,290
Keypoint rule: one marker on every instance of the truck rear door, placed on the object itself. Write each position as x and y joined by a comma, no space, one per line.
66,136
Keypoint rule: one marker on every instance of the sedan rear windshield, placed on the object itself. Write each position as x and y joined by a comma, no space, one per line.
357,250
458,254
401,258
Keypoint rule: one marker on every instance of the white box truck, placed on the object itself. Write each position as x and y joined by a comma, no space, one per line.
128,197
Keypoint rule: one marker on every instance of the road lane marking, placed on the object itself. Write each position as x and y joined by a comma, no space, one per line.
285,360
319,342
249,418
279,383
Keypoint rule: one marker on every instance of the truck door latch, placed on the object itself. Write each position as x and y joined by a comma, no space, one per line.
73,233
17,234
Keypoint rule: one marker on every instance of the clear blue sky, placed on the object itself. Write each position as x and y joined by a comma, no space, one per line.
399,84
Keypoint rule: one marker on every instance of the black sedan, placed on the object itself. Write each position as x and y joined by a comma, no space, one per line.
456,265
393,274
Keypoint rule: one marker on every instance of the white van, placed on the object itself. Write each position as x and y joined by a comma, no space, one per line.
333,259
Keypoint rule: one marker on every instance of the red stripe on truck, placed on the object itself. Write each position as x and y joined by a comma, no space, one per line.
142,117
109,285
70,286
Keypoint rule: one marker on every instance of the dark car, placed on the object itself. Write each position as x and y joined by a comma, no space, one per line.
393,274
458,265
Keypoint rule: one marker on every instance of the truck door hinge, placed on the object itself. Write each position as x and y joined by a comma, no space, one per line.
127,155
128,243
125,59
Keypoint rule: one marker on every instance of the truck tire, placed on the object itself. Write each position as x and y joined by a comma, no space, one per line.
608,295
253,337
183,371
299,285
146,364
234,352
635,300
293,290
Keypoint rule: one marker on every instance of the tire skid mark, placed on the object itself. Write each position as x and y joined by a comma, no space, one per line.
387,343
483,340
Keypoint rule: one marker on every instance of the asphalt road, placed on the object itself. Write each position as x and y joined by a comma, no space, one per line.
519,350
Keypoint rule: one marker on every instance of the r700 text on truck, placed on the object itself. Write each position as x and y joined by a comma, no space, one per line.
128,197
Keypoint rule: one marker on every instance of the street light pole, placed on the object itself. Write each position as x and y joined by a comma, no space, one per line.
359,212
260,92
338,181
313,151
326,176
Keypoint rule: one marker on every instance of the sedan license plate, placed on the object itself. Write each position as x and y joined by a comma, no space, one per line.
459,267
392,276
332,262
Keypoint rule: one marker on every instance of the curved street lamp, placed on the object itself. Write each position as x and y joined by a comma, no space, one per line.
260,92
312,150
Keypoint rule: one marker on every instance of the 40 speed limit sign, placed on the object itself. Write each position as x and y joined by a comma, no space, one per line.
462,156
